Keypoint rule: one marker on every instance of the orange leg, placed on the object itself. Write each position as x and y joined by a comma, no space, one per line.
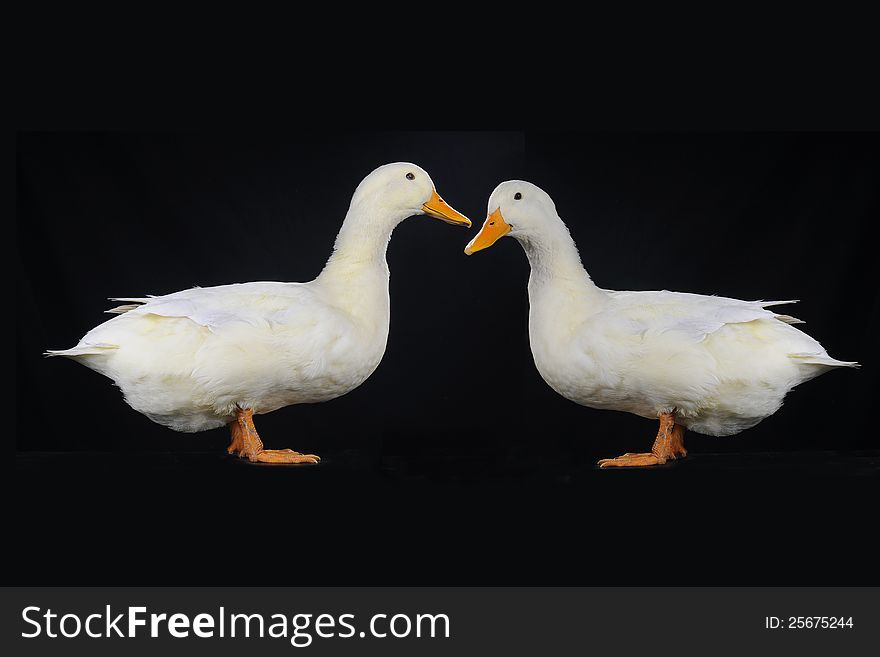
669,444
246,443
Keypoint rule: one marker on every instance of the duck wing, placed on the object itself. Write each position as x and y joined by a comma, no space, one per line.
220,308
259,304
694,316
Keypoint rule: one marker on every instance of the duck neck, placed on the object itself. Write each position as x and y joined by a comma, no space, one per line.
561,294
356,274
555,263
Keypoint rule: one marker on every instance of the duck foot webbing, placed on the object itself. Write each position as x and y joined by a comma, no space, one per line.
668,445
246,443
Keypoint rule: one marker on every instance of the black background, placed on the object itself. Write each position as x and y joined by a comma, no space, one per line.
454,463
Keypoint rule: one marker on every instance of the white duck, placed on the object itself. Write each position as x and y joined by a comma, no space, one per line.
202,358
711,364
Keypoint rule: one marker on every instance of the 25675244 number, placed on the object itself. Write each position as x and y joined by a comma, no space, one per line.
819,622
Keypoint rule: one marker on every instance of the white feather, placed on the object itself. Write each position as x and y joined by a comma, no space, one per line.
722,364
187,360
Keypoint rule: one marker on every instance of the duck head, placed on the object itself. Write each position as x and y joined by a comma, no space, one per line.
516,208
403,189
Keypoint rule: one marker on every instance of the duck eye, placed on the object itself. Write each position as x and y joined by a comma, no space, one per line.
517,196
410,176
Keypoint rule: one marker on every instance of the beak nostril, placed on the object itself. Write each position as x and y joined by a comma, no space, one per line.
491,223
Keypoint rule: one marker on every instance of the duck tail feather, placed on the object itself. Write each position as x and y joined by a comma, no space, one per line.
131,304
80,350
118,310
819,359
767,304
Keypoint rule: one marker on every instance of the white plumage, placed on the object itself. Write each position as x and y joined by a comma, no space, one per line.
720,365
190,360
187,360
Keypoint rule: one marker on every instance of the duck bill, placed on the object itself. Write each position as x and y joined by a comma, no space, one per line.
494,228
438,208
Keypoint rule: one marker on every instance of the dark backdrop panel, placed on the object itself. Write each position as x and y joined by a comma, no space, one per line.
124,215
753,216
454,463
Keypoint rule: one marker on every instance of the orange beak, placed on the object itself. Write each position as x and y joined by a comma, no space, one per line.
494,228
436,207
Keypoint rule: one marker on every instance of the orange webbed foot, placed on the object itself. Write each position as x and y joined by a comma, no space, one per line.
632,460
246,443
668,446
283,456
